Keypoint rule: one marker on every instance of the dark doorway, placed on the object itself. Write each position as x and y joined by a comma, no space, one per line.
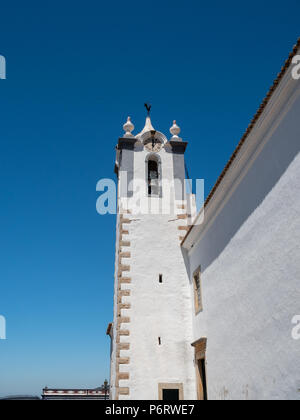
170,394
202,388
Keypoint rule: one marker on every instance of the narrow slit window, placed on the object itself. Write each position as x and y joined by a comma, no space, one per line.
159,341
197,291
160,278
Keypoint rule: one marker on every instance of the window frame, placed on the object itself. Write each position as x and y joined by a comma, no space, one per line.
200,356
162,386
198,300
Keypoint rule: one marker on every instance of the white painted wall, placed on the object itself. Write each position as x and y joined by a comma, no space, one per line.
249,250
157,310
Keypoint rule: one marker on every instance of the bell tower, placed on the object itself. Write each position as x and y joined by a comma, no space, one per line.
151,355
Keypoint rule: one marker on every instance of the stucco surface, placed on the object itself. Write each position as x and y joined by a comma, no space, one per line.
157,309
250,258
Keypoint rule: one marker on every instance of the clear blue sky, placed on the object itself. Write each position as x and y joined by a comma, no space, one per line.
75,70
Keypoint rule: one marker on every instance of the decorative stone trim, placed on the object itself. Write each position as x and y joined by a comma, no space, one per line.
122,268
125,255
124,376
124,243
172,385
124,346
125,280
123,220
182,216
123,360
124,332
125,292
200,354
125,305
200,347
183,228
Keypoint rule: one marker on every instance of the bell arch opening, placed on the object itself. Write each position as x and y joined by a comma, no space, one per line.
153,175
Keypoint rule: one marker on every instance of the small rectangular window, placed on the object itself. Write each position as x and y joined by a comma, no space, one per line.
159,341
170,391
160,278
197,291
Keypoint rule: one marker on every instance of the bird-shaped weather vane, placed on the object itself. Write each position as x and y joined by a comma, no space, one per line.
148,107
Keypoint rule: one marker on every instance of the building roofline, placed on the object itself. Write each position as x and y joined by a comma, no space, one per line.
249,129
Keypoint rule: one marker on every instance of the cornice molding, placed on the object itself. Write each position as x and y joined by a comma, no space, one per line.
178,146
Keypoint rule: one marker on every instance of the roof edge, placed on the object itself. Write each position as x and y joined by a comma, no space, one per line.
249,129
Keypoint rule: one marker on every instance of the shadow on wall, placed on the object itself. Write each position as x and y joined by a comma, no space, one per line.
274,160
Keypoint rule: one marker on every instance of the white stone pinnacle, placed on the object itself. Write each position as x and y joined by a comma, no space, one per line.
175,130
128,128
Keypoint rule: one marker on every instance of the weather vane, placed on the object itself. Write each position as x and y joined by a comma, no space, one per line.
148,107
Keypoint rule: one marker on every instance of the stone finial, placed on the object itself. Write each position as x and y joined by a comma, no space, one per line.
128,128
175,130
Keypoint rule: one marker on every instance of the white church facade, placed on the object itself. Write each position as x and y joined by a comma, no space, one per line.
203,304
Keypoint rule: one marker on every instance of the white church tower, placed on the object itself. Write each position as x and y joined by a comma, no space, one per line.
151,354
